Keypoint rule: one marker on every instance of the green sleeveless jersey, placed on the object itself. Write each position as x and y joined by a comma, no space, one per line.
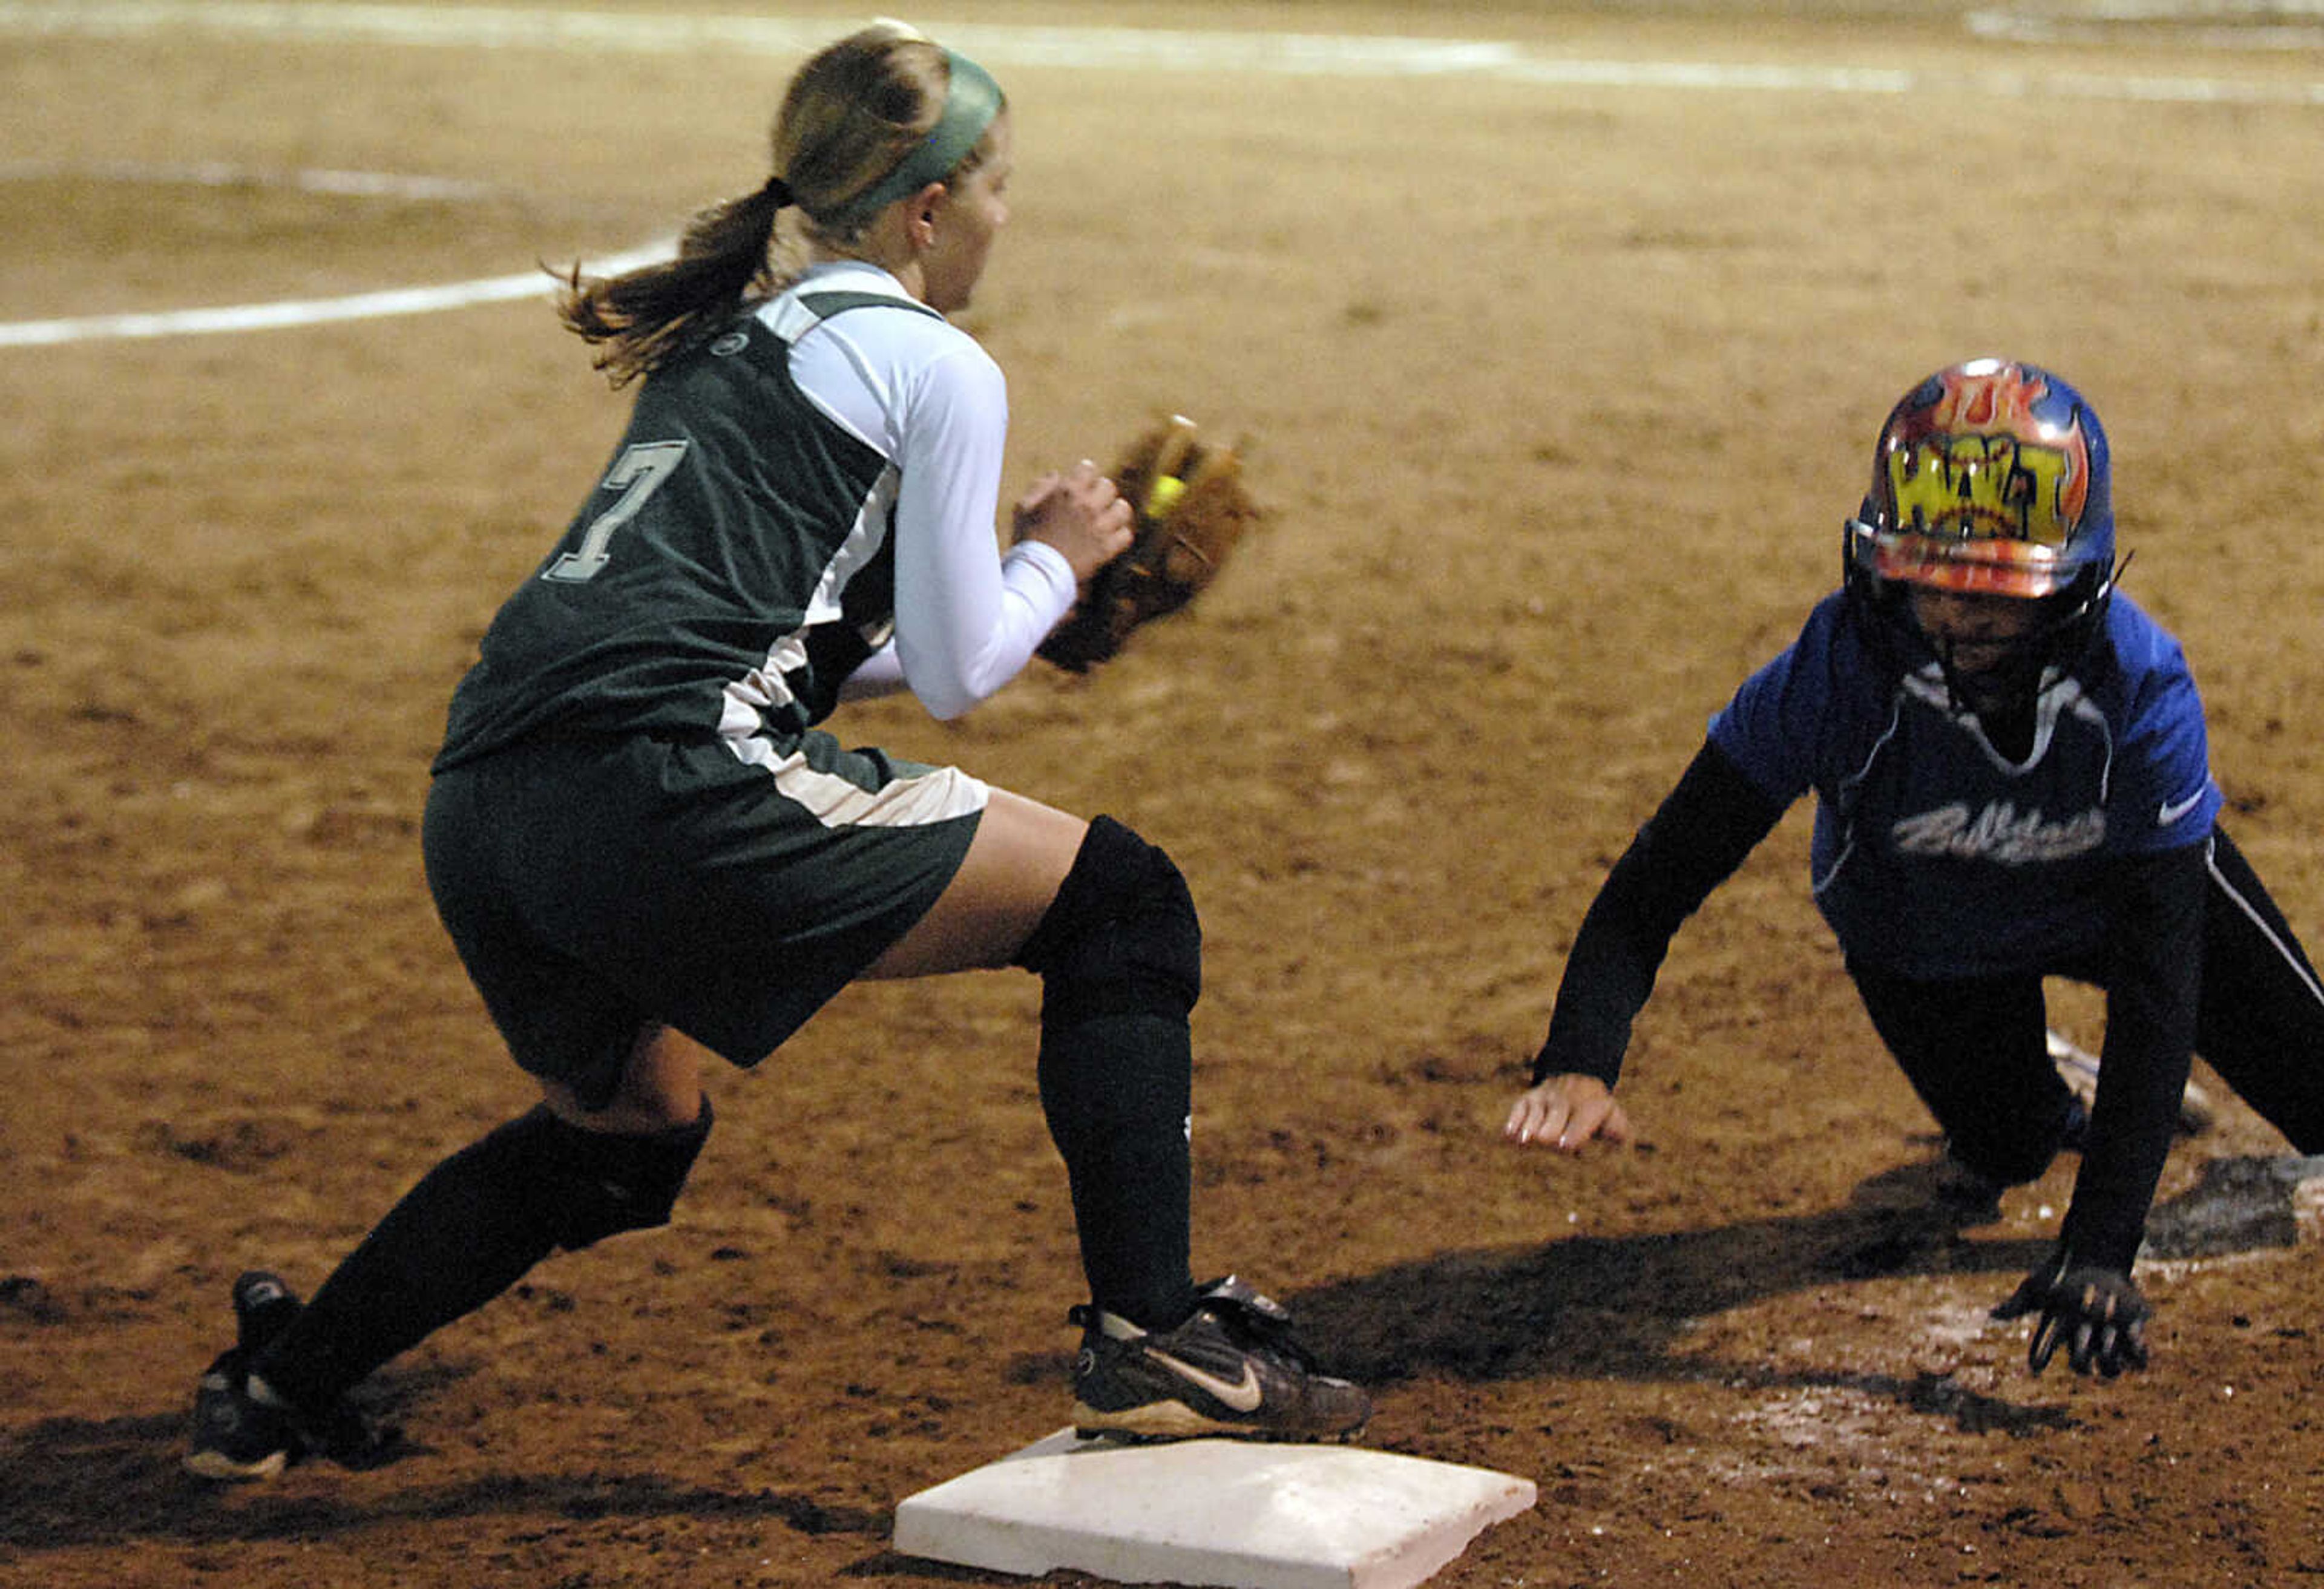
733,568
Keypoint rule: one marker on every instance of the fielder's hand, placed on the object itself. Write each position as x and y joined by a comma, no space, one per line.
1079,512
1565,1112
2096,1313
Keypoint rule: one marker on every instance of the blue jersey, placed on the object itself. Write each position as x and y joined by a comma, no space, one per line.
1935,855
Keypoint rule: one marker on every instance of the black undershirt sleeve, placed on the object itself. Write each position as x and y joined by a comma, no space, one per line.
1703,832
2152,975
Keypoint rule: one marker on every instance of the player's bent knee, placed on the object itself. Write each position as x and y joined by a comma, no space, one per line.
603,1183
1121,936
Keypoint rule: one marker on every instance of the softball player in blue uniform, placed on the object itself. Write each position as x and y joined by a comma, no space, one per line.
646,849
2012,782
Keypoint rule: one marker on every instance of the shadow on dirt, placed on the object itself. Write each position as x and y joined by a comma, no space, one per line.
1620,1307
79,1482
1615,1307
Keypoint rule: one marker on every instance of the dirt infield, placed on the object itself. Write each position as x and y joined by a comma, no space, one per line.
1559,364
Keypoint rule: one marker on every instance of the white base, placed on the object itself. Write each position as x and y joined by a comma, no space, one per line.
1249,1515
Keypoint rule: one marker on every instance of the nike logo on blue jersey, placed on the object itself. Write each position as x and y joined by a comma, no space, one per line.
2171,811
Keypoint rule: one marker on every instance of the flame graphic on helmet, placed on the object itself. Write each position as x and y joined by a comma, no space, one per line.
1978,489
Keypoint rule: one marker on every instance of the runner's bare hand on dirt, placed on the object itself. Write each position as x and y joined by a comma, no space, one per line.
1566,1112
1080,512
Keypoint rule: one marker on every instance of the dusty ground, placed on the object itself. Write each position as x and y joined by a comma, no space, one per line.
1559,390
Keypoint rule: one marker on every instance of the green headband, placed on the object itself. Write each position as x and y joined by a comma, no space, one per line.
971,102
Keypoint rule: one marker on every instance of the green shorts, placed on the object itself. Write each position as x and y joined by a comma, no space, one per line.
726,888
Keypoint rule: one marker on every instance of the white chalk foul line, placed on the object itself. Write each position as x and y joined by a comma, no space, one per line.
318,311
510,27
263,317
1140,48
2210,24
220,174
1144,50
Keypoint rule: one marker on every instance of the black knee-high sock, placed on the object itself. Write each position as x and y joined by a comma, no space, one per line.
1120,955
464,1234
1116,1090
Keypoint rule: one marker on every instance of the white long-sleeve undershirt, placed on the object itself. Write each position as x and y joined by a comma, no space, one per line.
924,393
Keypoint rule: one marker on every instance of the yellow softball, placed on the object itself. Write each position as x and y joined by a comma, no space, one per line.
1163,495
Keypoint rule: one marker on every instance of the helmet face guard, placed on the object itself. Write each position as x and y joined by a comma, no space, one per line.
1990,478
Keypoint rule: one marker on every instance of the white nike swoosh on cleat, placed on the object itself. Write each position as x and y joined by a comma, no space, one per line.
1243,1396
2171,811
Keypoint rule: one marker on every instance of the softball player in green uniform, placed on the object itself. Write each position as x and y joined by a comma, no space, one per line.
646,849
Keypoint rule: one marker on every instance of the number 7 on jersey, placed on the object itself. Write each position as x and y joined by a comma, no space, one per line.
637,474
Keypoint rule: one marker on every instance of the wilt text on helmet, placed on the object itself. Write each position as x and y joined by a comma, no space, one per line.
1981,464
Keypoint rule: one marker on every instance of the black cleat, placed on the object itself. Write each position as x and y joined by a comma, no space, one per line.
236,1435
1230,1369
241,1430
264,1307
